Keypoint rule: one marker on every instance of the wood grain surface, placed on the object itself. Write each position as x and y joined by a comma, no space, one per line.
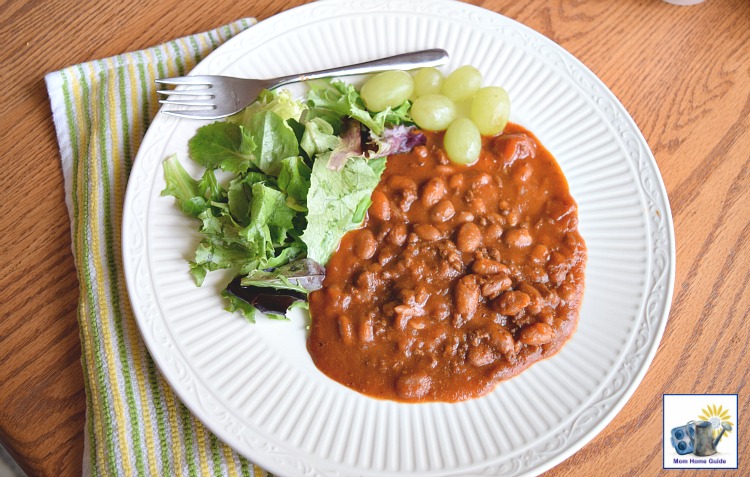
682,72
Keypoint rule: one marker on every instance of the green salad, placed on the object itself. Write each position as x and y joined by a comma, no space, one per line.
300,179
302,172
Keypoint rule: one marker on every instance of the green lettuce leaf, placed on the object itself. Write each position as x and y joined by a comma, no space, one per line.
318,137
294,181
183,187
337,202
280,102
193,196
214,255
238,304
282,255
222,145
239,195
270,219
303,275
334,100
274,140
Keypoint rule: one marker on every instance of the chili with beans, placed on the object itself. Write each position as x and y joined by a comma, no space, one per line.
461,277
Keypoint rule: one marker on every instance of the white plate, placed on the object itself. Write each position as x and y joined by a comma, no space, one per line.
256,387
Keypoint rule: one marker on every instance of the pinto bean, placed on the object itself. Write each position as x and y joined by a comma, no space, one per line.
537,302
346,329
426,232
484,266
467,296
539,254
401,182
557,268
366,245
519,237
442,157
337,299
536,334
502,340
366,333
444,169
478,205
481,179
511,303
456,181
494,232
495,285
550,297
469,238
397,234
442,211
421,151
381,206
433,191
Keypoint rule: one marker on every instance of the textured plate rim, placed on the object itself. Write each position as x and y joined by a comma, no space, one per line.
224,431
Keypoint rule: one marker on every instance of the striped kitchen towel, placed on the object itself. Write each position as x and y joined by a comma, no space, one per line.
135,425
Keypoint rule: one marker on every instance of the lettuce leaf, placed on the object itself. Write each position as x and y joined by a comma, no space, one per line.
270,219
335,100
303,275
214,255
349,146
259,144
396,140
274,141
235,303
222,145
239,196
193,196
337,202
294,181
280,102
318,137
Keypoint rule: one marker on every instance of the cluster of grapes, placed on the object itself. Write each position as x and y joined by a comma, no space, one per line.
457,104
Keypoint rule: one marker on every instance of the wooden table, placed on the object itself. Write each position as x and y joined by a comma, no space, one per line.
682,72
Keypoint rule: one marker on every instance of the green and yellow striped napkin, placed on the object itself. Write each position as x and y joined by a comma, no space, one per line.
135,425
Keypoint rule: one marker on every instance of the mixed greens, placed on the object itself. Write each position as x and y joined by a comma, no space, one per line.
301,176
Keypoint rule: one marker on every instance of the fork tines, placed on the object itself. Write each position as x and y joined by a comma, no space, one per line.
199,96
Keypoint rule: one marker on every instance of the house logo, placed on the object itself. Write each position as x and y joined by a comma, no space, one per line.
700,431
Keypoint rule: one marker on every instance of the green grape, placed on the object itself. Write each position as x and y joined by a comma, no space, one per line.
490,110
462,141
428,81
387,90
462,83
433,112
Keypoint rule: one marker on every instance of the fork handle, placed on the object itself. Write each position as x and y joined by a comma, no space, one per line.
406,61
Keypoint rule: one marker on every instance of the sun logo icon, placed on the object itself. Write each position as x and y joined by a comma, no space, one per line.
716,416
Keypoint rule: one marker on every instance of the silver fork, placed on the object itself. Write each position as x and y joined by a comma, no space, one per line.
222,96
